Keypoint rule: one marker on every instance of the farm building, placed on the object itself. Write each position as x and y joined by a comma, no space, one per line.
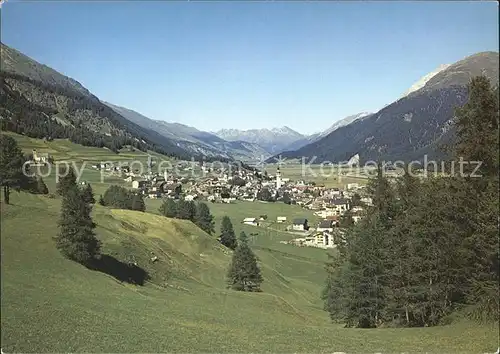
281,219
300,224
250,221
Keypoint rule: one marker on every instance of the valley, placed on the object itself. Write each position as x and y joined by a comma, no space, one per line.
251,177
44,294
184,303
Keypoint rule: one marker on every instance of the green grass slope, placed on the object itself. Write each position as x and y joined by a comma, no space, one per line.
65,150
50,304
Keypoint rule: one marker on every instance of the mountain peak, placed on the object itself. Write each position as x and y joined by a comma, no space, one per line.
424,79
343,122
461,72
408,128
15,62
273,140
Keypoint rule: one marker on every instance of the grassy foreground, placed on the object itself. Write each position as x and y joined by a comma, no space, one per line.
50,304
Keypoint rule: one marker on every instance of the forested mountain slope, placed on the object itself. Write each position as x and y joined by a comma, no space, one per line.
412,126
37,101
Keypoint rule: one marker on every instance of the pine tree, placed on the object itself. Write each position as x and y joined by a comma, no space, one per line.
76,239
368,266
138,203
169,208
11,165
244,273
264,194
204,219
405,283
477,130
88,194
437,228
186,210
101,200
426,248
477,125
361,279
117,197
227,236
66,182
337,293
382,195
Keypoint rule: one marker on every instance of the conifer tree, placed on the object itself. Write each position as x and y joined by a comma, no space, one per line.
117,197
286,198
361,280
244,273
186,210
204,219
88,194
227,236
76,239
405,282
11,164
169,208
426,248
337,293
477,125
137,203
477,130
66,182
101,200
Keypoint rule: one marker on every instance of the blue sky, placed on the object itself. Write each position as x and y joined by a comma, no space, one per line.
247,65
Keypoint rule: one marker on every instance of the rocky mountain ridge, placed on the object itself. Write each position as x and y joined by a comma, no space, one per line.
411,127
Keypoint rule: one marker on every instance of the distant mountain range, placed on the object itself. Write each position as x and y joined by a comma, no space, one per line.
273,140
415,125
194,140
343,122
37,101
40,102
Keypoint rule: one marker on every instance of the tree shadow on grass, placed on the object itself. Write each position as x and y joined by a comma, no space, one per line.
123,272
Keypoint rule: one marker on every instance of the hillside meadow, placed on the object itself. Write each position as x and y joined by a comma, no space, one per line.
50,304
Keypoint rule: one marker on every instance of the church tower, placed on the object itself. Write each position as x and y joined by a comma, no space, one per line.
150,164
278,178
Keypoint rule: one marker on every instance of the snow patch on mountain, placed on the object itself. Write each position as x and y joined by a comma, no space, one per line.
273,140
343,122
423,80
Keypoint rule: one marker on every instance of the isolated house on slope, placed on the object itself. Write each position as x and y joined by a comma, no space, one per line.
300,224
250,221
